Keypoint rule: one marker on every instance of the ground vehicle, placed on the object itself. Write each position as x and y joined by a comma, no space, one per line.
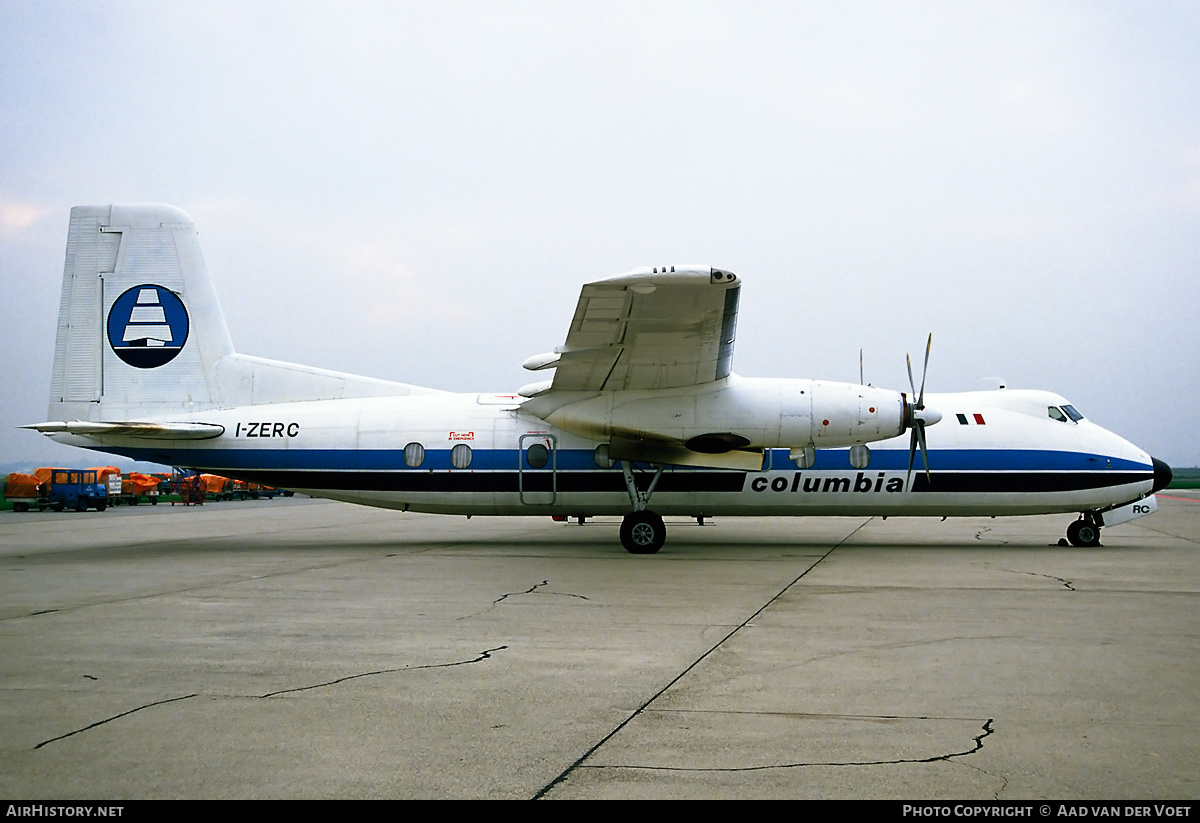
25,491
137,488
78,489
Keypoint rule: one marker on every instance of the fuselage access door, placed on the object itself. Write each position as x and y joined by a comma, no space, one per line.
537,469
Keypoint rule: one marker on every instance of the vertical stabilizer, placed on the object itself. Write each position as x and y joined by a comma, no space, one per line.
139,326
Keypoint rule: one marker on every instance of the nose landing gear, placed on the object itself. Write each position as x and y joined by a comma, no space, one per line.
1084,532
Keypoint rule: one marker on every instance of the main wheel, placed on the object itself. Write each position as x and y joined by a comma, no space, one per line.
643,532
1083,533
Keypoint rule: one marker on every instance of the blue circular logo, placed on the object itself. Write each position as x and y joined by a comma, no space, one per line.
147,326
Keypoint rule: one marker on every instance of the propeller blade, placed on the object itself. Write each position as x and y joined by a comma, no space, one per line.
917,440
911,385
912,452
924,371
920,432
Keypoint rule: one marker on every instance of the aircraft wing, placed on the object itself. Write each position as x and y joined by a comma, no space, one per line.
649,329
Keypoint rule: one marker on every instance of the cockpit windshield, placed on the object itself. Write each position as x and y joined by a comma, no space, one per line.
1062,414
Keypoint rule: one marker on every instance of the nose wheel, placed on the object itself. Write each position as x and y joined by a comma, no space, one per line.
1083,533
643,532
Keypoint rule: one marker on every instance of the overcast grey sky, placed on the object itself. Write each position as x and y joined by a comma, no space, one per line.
416,191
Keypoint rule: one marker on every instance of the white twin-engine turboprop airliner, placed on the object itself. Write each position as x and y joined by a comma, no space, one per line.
643,416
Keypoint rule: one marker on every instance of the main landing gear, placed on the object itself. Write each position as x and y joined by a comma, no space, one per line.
1084,532
642,531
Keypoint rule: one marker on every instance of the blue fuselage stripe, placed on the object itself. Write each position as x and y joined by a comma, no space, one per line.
567,460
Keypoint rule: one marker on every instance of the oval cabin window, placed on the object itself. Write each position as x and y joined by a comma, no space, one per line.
460,456
537,456
414,455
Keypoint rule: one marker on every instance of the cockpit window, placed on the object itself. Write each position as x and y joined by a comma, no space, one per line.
1071,413
1056,413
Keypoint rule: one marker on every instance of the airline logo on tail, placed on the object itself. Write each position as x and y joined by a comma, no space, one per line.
147,326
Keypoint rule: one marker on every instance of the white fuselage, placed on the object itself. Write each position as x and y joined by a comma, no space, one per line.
993,453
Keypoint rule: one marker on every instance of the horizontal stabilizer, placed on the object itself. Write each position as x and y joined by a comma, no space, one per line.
154,431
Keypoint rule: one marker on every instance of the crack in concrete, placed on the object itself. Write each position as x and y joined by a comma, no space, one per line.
987,732
114,717
533,589
979,536
1067,584
484,655
1003,780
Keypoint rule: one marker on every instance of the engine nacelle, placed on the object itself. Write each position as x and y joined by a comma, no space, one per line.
740,413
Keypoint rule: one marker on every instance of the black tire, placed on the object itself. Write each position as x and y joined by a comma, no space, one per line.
20,507
57,506
102,505
153,501
81,504
643,533
1083,533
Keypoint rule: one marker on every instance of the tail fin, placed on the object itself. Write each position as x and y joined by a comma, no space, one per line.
141,334
139,327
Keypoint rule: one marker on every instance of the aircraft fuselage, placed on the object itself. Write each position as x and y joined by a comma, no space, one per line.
995,453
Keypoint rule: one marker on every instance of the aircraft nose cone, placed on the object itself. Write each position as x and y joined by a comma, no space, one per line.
1162,474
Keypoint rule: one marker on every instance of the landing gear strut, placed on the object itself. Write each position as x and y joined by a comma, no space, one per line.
1083,532
642,531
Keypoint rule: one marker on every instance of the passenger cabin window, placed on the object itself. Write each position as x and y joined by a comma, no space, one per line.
460,456
537,456
414,455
